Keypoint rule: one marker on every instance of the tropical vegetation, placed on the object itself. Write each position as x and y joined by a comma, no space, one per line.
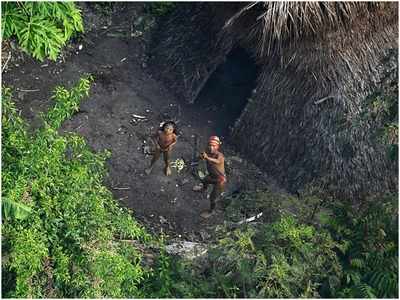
65,236
41,28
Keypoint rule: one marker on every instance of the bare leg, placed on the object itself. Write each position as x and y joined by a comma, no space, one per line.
215,194
167,169
156,156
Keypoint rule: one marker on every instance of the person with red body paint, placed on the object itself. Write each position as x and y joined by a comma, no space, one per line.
216,173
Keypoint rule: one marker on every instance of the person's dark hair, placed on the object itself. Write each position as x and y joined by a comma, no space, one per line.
167,123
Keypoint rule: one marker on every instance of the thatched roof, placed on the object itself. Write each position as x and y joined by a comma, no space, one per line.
273,26
320,61
311,98
184,55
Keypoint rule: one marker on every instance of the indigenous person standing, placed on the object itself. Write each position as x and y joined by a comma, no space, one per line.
164,139
216,173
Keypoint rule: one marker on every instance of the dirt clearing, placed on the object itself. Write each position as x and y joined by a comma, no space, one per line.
124,107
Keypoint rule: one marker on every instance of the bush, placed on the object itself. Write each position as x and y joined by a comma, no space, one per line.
279,260
353,253
368,247
41,28
67,244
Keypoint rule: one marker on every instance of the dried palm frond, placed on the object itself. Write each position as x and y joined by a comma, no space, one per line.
272,25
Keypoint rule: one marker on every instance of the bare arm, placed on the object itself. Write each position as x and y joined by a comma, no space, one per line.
173,143
218,160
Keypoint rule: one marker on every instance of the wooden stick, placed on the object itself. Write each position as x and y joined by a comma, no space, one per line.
5,65
138,117
22,90
250,219
323,99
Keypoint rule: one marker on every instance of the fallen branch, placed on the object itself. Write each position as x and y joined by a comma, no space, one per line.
323,99
78,127
5,65
22,90
250,219
121,188
138,117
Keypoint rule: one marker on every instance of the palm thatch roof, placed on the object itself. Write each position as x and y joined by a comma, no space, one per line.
277,25
320,62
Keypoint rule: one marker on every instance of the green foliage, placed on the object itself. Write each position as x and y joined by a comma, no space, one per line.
68,245
279,260
67,102
12,209
115,275
29,251
368,245
160,283
41,28
353,253
282,259
381,112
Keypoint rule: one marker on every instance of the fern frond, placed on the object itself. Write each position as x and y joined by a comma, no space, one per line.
357,263
363,290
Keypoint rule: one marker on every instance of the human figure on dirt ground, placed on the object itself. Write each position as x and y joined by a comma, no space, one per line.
164,139
216,175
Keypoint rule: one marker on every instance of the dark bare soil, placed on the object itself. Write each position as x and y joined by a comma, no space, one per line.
113,51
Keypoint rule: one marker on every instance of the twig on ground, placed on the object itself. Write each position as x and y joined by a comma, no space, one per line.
5,65
250,219
323,99
23,90
138,117
78,127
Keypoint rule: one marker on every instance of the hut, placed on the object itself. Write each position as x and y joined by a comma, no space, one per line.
320,68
